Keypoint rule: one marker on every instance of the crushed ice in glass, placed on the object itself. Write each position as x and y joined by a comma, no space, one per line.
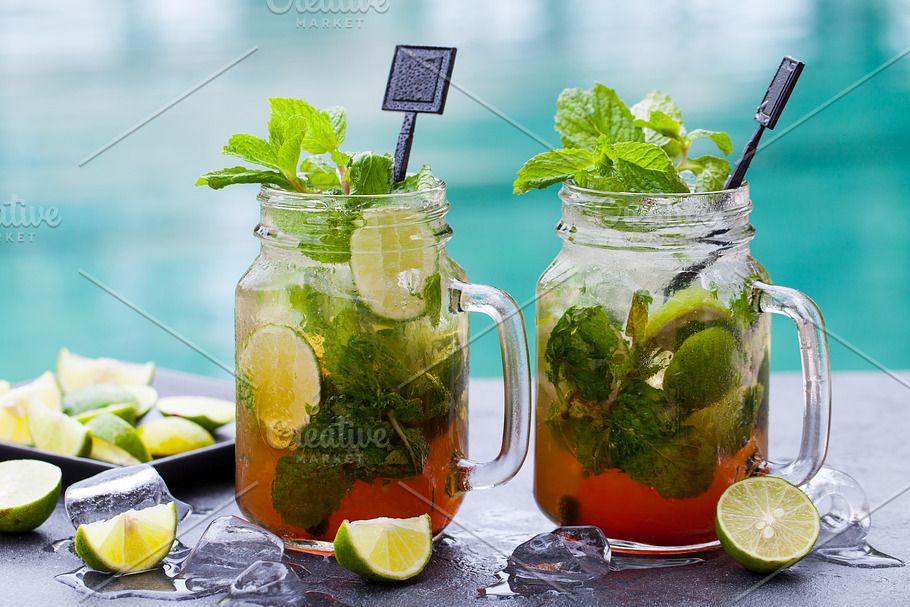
112,492
845,521
228,547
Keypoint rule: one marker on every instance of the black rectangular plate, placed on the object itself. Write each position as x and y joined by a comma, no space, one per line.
207,463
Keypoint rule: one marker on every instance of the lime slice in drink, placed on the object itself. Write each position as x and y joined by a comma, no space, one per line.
53,431
133,541
391,259
13,424
74,371
47,389
29,491
172,435
146,397
694,304
210,413
283,379
765,523
703,369
385,549
116,441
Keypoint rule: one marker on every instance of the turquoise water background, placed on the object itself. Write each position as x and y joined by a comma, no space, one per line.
831,197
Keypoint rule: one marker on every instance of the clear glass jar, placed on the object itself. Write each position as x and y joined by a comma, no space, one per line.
352,366
653,365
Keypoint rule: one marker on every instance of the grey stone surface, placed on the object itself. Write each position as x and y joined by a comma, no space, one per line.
868,440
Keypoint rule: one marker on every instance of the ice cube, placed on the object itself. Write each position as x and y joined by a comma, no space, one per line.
228,547
569,556
266,583
115,491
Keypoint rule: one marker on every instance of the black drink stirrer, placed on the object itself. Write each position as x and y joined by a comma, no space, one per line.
418,82
767,114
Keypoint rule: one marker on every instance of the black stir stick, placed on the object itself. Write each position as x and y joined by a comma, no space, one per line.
767,114
418,82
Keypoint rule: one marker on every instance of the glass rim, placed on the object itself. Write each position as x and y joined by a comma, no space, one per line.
272,193
570,184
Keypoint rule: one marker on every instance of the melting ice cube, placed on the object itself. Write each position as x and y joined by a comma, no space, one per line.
569,556
115,491
266,583
228,547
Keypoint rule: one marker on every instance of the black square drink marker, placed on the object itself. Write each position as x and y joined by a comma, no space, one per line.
418,82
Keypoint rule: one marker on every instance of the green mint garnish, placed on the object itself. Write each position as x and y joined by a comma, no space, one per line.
614,148
295,128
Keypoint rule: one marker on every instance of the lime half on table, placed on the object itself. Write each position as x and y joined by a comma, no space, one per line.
29,491
133,541
765,523
385,549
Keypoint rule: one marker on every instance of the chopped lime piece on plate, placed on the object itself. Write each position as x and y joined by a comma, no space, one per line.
385,549
172,435
98,396
210,413
74,371
765,523
13,422
284,379
124,411
135,540
29,491
111,436
146,398
47,389
391,259
4,387
53,431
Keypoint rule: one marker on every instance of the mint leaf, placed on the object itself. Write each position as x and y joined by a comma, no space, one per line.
583,116
284,108
711,173
422,180
551,167
306,491
638,316
319,173
645,167
371,173
252,149
655,101
721,140
339,119
591,181
320,134
662,124
225,177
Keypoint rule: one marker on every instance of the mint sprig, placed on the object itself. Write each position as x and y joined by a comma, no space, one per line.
296,127
611,147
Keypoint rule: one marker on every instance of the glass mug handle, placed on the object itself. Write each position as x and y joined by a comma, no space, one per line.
813,345
499,306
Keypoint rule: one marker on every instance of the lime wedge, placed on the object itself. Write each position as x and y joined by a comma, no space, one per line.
172,435
210,413
13,423
124,411
765,523
53,431
146,397
694,304
98,396
703,369
74,371
133,541
385,549
391,259
284,381
111,436
47,389
29,491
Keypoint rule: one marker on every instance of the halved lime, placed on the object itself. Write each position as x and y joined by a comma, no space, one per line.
392,256
98,396
74,371
53,431
385,549
47,389
117,442
172,435
146,398
133,541
124,411
694,304
29,491
284,380
765,523
210,413
13,423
